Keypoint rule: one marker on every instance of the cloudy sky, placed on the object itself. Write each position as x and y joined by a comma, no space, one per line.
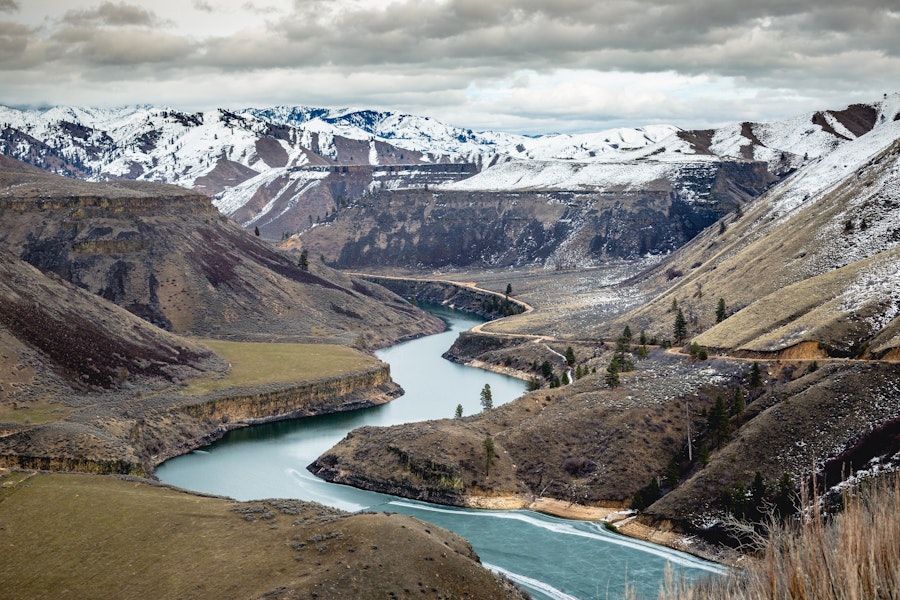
528,66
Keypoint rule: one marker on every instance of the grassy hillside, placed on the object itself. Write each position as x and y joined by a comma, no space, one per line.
802,265
95,536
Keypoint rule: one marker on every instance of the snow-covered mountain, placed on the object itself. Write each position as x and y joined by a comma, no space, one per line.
284,168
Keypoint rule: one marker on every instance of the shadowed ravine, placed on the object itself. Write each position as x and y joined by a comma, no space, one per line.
548,556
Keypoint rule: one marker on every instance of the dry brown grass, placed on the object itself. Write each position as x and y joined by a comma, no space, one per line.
89,536
854,556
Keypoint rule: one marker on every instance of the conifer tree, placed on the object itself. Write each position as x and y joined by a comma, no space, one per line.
679,330
487,399
720,310
737,403
459,412
303,261
717,422
758,489
612,372
546,369
755,376
488,445
704,455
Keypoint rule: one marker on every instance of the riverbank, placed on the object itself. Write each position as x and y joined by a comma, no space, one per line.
616,518
133,430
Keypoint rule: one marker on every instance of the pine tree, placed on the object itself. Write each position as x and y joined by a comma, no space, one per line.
546,369
680,328
570,356
673,476
720,310
652,493
612,373
487,399
737,403
758,489
704,455
755,376
459,412
642,339
786,497
488,445
303,261
256,231
717,422
626,333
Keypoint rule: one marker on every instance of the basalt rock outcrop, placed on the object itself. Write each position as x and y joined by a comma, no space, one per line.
444,228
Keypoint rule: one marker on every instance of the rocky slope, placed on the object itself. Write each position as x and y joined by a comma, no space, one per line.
91,380
562,209
812,264
166,255
57,338
590,444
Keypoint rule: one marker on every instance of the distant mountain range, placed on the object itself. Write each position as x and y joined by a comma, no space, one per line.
282,170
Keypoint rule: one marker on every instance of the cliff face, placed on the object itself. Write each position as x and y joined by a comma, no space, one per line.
560,228
334,394
131,436
487,305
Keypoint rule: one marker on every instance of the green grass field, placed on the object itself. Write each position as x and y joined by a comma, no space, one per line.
262,363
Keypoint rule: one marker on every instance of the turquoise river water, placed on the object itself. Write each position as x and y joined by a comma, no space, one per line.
551,558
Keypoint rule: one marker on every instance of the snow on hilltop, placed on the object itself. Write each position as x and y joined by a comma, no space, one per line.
241,157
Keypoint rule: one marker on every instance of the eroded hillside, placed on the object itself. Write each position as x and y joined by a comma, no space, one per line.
166,255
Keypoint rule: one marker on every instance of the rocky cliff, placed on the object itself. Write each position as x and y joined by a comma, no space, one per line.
433,229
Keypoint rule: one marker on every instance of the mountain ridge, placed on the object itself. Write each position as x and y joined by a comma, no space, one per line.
248,160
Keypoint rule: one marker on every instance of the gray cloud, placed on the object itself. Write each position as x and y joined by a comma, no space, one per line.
16,48
9,6
423,55
113,14
619,35
95,47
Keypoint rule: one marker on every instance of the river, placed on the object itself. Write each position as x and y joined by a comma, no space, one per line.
552,558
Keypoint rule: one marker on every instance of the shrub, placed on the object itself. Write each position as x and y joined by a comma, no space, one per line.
853,555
